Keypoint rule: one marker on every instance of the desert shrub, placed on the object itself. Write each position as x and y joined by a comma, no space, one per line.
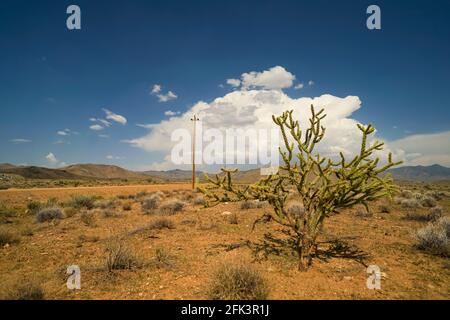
436,195
435,213
171,207
250,204
295,209
188,196
24,290
385,208
323,185
106,204
161,223
434,238
120,257
151,203
88,218
141,194
428,202
33,207
410,203
233,219
8,237
83,201
200,200
109,213
70,212
237,282
417,216
417,195
48,214
126,206
398,200
407,194
162,259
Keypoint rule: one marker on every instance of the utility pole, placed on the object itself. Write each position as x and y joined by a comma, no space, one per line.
194,119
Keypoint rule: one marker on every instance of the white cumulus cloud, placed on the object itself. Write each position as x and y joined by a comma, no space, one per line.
51,158
253,108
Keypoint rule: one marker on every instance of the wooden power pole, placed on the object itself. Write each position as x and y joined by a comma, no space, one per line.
194,119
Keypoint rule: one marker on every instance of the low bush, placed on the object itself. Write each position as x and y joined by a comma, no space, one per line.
172,207
24,290
384,208
237,282
49,214
434,238
126,206
199,200
410,203
161,223
120,257
295,209
150,204
88,218
251,204
83,201
8,237
428,202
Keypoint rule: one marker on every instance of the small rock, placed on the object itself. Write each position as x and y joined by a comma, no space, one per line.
226,213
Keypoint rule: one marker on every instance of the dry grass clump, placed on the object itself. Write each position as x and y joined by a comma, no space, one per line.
24,290
417,216
428,202
434,238
410,203
363,213
436,213
150,204
49,214
70,212
295,209
199,200
109,213
120,257
385,208
237,282
8,237
83,201
233,219
162,259
106,204
161,223
251,204
126,206
88,218
33,207
171,207
406,194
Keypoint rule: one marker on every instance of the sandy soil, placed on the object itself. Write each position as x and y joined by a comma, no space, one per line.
198,244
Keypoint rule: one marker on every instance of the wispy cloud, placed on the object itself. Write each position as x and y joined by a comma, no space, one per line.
299,86
115,117
20,140
96,127
171,113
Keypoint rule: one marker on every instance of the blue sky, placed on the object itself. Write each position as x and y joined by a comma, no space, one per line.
55,79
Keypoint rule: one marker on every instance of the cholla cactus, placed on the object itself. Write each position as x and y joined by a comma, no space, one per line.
322,185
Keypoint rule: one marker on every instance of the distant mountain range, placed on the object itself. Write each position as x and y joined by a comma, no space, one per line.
101,171
421,173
